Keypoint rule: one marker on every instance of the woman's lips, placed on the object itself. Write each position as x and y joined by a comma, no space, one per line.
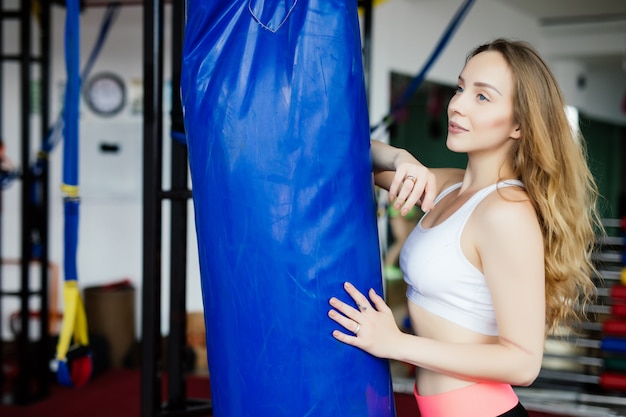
455,128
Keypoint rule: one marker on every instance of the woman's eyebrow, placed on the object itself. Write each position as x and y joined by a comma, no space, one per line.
484,85
487,85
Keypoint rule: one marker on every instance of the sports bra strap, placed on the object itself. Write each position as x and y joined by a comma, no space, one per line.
447,191
453,187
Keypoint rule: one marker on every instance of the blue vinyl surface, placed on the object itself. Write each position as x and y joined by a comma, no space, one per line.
278,136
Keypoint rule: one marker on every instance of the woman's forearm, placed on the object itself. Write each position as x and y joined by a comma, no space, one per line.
475,362
387,158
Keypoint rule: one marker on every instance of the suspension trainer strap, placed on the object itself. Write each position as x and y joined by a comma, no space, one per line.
74,364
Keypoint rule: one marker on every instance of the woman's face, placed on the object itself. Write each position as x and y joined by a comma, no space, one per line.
480,114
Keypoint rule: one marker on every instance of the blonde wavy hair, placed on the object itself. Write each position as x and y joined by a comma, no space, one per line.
550,159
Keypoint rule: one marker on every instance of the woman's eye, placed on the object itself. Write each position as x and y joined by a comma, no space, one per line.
459,89
481,97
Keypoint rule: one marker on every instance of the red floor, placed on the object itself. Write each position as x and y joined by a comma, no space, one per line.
116,393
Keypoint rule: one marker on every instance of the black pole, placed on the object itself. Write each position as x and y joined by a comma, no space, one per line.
177,388
44,345
152,210
23,389
2,18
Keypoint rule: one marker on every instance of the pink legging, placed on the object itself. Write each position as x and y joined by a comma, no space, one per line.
482,399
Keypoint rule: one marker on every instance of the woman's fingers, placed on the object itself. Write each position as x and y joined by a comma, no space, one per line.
413,185
379,302
430,193
344,321
347,310
345,338
361,301
343,308
350,317
370,326
399,186
409,195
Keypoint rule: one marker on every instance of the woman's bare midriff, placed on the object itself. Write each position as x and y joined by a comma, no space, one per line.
434,327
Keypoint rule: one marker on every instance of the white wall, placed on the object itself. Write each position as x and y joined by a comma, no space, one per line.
404,34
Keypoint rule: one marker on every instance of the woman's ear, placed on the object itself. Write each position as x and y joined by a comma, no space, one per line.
517,133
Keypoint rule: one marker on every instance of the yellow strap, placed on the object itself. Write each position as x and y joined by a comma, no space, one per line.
80,332
74,320
70,190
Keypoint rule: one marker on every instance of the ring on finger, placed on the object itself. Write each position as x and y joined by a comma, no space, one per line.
356,331
410,178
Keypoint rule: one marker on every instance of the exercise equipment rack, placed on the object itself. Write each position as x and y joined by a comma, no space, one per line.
585,371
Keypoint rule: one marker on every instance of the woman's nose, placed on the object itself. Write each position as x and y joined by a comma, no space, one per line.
456,104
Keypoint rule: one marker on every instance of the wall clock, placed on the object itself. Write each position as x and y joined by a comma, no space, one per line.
105,94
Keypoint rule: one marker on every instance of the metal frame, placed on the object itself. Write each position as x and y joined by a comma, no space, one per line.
153,195
152,210
34,377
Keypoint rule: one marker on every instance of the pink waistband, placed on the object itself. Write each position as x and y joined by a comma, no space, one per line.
483,399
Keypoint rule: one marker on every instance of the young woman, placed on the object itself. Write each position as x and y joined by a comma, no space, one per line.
502,254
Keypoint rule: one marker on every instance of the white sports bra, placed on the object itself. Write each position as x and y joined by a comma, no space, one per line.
440,278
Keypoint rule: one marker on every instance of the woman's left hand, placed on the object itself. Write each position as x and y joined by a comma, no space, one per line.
413,184
372,327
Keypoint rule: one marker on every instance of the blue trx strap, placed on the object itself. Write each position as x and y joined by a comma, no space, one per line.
74,364
56,133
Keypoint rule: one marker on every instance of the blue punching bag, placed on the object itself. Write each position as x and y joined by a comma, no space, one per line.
278,136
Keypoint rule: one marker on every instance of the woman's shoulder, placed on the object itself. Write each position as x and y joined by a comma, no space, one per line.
504,222
507,206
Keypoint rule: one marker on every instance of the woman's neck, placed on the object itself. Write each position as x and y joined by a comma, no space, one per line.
482,172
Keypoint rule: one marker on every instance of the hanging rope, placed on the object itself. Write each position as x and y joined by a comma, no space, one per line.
382,126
